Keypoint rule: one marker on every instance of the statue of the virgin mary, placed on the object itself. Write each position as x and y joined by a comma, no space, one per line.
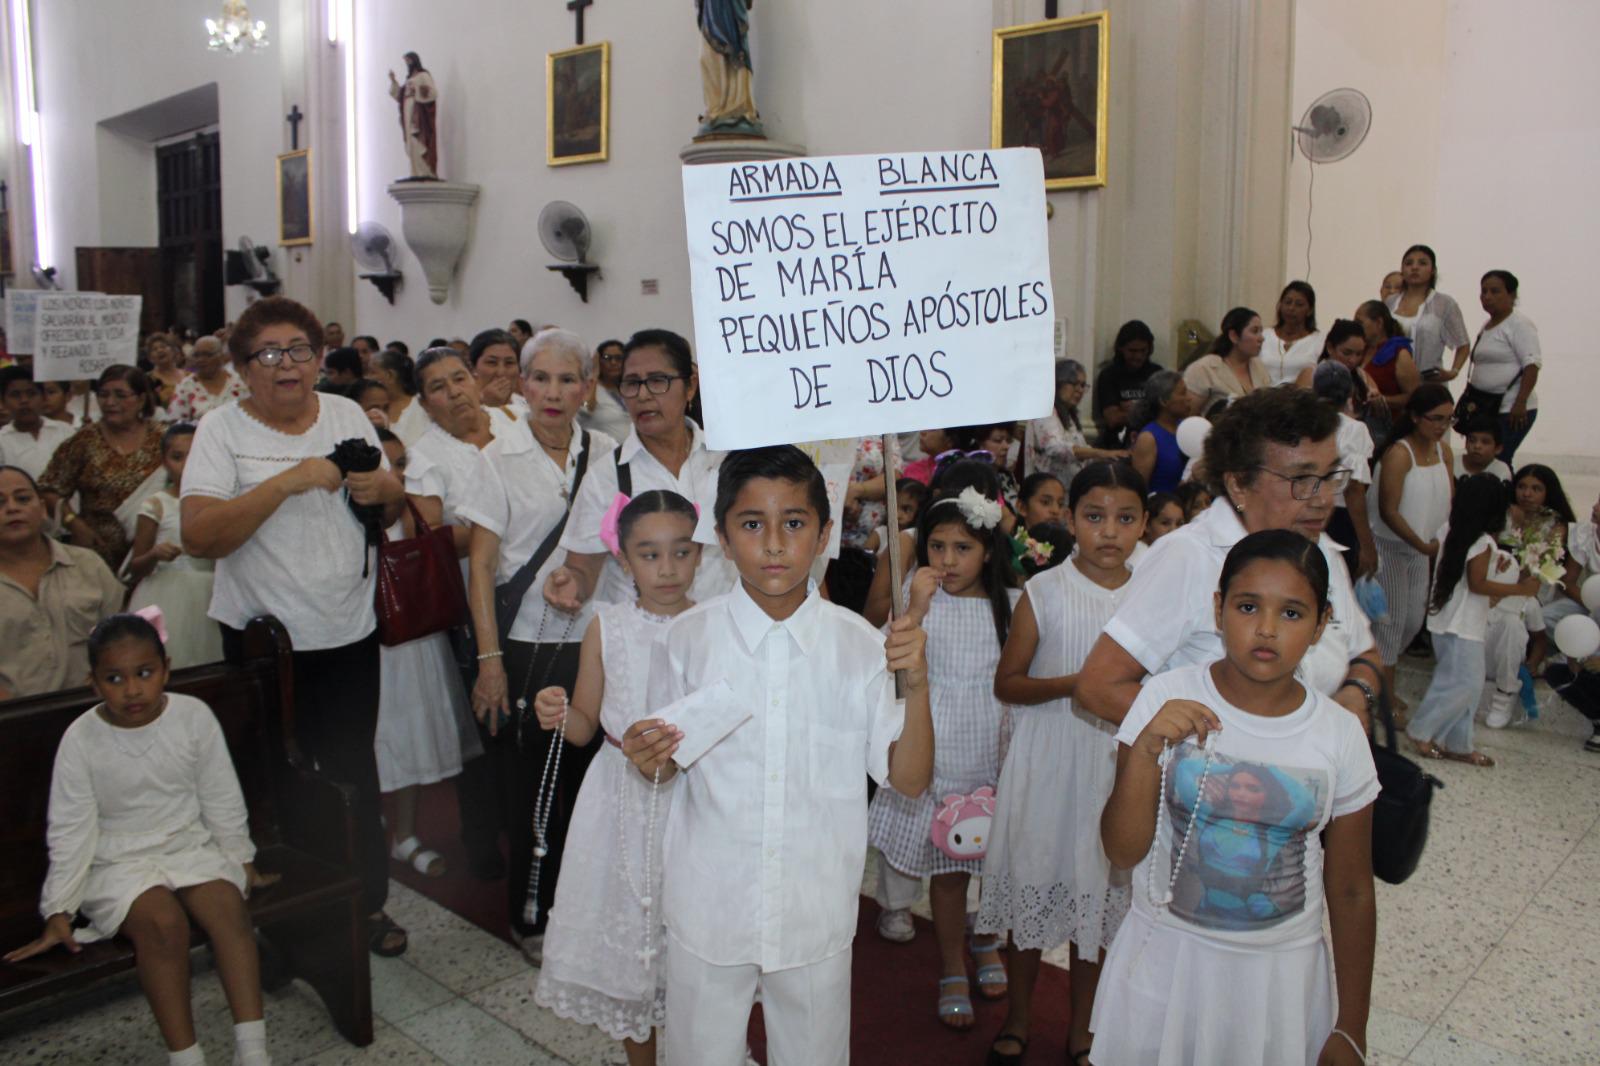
725,69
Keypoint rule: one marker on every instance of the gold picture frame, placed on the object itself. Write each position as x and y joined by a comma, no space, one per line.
577,105
1041,75
296,221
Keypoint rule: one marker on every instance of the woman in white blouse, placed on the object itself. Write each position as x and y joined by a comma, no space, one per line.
1506,360
262,498
1293,343
1055,443
1272,460
1430,318
542,462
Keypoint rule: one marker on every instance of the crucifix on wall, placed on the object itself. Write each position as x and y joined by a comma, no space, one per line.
293,118
576,7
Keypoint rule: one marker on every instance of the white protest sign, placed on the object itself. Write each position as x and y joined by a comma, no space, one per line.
20,308
850,296
77,334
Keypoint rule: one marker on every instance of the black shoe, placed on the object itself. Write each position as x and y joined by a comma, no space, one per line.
1421,647
487,865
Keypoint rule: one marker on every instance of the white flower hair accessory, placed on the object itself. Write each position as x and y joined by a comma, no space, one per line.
979,512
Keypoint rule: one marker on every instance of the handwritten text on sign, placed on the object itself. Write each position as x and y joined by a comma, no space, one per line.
77,335
856,295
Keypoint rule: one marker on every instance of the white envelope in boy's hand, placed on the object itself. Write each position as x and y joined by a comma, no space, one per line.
705,717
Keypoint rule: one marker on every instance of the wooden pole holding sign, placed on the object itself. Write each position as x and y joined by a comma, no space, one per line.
891,499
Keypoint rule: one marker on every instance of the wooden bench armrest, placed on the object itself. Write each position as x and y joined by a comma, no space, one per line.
317,814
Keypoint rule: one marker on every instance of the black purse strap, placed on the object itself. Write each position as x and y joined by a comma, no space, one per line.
624,473
1384,706
512,592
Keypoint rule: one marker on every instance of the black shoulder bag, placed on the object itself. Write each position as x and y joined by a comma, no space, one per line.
1400,814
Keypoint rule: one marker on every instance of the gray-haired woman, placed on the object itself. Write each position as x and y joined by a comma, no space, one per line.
1055,443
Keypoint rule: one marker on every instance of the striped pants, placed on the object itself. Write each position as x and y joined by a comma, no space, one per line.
1403,575
1445,715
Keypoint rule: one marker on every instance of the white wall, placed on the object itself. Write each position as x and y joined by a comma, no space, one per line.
1519,169
1484,145
97,60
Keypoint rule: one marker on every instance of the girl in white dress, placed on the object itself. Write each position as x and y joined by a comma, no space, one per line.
1242,799
961,592
1046,879
178,583
148,833
422,713
602,948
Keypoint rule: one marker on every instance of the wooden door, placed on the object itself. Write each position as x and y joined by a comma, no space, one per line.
126,272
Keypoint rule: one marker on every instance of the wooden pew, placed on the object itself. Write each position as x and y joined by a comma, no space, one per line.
300,821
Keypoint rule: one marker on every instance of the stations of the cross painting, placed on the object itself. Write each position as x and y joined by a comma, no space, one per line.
576,7
293,118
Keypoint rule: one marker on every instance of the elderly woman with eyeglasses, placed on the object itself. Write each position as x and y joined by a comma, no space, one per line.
606,410
1272,459
262,497
112,464
1055,444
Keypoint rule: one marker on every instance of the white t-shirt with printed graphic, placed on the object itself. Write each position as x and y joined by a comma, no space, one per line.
1252,873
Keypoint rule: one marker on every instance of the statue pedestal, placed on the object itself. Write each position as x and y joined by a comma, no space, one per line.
435,217
738,150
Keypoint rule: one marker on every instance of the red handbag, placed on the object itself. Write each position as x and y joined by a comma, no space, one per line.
420,590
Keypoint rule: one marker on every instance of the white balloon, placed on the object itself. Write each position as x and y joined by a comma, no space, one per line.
1591,593
1577,636
1192,434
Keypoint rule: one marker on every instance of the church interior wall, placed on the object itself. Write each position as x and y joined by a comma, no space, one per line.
102,183
1484,145
1200,212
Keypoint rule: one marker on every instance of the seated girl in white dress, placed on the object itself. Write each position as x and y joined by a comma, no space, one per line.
1243,800
148,834
178,583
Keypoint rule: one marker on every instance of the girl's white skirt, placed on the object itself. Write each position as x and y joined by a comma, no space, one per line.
603,948
1046,878
421,708
1171,998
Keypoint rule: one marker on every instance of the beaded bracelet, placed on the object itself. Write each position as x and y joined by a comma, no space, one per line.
490,655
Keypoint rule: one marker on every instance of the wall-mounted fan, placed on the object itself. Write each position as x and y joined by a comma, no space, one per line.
565,233
251,265
1334,125
1331,129
374,249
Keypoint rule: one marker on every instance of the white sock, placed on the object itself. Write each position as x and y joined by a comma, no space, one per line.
192,1055
250,1042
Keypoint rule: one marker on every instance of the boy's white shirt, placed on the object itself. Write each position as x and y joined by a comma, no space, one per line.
766,837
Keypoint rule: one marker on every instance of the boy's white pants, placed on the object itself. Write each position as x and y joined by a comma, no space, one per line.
806,1011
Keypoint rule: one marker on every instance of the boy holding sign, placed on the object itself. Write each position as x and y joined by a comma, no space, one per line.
766,839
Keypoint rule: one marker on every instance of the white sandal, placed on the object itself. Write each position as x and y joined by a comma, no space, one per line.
426,862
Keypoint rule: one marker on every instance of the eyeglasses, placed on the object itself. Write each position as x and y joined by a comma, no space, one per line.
658,384
1307,486
300,353
611,357
1438,420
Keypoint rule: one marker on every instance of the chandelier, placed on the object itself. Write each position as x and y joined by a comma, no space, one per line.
234,32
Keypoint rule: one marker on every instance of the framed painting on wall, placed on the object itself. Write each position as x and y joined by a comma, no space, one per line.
294,198
577,108
1050,89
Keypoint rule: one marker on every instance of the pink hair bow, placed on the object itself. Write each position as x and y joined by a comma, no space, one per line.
157,620
608,523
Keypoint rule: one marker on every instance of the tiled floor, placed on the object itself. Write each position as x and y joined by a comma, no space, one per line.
1486,956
